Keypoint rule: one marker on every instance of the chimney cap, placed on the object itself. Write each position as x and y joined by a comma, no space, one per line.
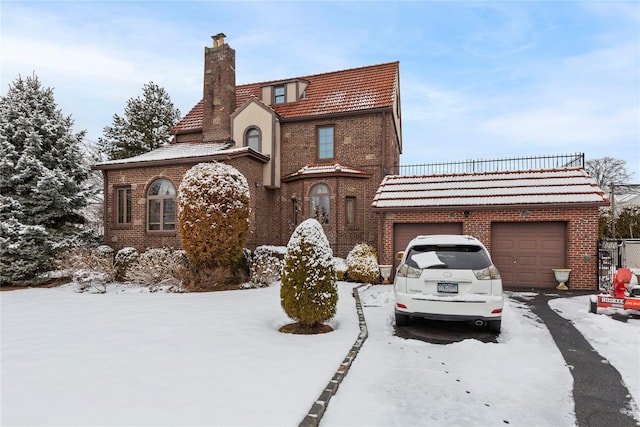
218,39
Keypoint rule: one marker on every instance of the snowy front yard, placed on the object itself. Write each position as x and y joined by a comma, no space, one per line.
129,357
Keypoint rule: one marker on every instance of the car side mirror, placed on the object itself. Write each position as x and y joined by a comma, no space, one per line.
399,255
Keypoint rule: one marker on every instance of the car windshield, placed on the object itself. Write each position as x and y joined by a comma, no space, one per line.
459,257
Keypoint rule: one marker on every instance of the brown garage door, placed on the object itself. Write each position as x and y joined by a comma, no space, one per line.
403,233
525,253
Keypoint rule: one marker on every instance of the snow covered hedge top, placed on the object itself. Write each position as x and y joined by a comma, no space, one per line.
310,232
213,179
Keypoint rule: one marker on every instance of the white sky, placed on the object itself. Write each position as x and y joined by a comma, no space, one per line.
478,79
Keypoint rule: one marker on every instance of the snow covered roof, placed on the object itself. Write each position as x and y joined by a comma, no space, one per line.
354,89
183,152
562,186
329,169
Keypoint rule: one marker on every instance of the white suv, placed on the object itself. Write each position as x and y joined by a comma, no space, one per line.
448,277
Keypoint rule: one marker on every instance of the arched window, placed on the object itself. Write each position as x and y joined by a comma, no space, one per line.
320,208
161,206
252,139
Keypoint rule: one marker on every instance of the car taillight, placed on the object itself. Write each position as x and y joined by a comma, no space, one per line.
408,271
489,273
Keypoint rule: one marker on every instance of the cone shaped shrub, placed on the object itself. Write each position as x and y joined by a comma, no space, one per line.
309,294
213,215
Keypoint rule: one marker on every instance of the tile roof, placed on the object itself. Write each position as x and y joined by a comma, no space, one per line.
328,169
174,152
566,186
354,89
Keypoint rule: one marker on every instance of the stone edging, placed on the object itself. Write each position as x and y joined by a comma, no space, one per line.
313,417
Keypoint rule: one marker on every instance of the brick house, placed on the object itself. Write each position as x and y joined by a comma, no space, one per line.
530,220
312,146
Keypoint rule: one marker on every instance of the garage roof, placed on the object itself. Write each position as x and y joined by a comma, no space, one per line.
489,189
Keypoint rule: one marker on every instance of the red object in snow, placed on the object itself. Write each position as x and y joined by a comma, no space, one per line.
616,297
620,281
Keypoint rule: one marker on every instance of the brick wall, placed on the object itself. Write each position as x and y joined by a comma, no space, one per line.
365,141
139,179
582,232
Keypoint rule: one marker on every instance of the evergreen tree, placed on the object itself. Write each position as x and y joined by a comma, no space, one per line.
145,126
309,294
42,180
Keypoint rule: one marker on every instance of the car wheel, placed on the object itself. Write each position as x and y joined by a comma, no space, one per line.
593,307
494,326
402,319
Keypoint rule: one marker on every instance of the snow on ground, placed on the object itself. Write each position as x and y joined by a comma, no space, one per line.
521,380
162,359
133,358
614,340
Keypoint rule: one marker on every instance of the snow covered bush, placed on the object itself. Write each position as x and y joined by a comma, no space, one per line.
266,264
362,264
89,267
158,267
340,265
309,294
213,215
124,258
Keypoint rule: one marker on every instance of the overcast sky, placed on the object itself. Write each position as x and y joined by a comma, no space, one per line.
478,79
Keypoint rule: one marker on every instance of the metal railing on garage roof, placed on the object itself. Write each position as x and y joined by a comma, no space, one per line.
562,161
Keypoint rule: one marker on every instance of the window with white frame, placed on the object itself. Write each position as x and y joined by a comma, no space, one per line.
278,95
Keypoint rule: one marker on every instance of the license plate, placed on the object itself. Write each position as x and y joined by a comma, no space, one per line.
448,288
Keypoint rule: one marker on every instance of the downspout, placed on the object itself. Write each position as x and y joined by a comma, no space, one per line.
105,196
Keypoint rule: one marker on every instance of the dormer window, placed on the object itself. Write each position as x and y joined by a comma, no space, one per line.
252,139
278,95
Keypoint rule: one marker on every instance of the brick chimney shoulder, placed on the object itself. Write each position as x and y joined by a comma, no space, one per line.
219,90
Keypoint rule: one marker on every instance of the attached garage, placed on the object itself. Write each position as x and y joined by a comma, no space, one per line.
526,253
531,221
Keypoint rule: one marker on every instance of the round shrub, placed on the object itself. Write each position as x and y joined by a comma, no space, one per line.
158,267
266,265
124,258
362,264
309,294
213,215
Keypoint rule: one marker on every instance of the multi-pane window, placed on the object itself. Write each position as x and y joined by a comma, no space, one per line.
123,205
252,139
325,143
319,198
350,210
278,95
161,206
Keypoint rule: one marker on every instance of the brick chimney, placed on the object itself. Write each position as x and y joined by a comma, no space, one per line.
219,97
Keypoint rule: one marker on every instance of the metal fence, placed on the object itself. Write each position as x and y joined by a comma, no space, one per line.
614,254
562,161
